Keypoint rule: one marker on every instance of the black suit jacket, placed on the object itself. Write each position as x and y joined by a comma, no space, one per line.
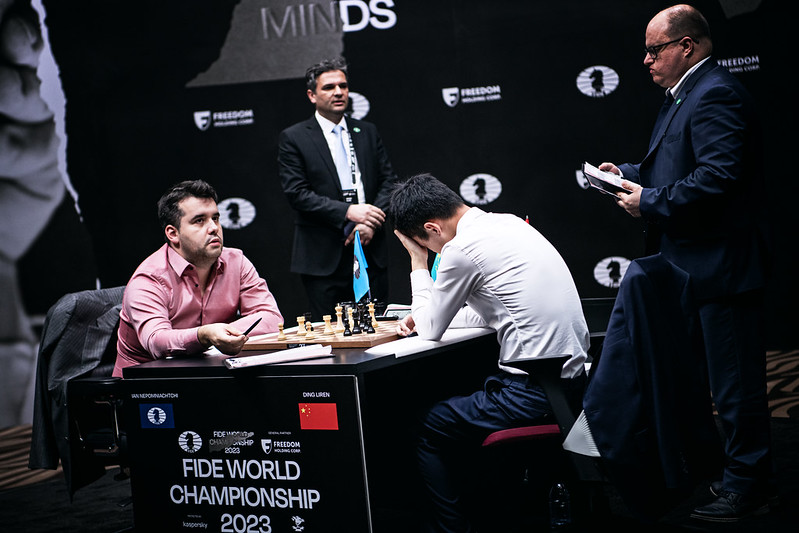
702,176
309,180
647,401
78,339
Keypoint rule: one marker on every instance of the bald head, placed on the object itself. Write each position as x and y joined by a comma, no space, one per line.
680,38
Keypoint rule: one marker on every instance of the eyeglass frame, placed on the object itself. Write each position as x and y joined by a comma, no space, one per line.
654,50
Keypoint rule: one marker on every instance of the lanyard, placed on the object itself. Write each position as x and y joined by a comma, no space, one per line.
353,168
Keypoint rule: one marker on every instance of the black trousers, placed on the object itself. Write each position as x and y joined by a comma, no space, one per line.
324,292
453,430
733,332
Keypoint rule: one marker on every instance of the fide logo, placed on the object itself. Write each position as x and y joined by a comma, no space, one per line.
190,441
236,213
610,271
156,416
359,104
597,81
480,189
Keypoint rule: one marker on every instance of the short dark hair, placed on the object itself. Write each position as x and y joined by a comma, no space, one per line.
326,65
169,213
419,199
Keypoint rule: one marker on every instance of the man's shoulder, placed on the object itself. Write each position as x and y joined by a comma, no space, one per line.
363,124
302,125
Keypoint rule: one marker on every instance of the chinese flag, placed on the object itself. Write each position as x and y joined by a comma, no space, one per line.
318,416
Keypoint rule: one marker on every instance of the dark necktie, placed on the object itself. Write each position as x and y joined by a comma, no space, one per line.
664,110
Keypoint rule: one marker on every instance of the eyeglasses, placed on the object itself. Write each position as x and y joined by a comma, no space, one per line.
655,49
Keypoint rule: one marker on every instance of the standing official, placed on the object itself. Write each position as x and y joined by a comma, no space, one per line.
696,189
337,177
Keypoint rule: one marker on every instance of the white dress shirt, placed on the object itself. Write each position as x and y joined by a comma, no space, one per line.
512,280
327,128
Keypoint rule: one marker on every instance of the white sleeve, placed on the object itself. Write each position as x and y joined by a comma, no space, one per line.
434,305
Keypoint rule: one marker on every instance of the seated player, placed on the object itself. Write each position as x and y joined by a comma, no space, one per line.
511,279
192,294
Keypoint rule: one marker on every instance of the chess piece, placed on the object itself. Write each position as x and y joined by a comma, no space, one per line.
350,319
328,327
347,332
281,336
375,324
339,321
308,322
301,326
357,321
309,334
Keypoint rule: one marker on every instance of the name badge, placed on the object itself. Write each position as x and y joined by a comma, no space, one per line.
350,196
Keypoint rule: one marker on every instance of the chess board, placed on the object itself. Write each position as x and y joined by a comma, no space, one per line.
385,333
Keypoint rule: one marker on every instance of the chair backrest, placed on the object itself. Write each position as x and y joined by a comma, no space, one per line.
78,339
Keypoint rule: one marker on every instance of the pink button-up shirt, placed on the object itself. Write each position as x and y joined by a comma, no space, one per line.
163,305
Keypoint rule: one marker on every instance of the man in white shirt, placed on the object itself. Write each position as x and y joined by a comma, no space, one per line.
511,279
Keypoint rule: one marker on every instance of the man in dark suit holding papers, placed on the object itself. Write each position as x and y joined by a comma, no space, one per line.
696,190
337,177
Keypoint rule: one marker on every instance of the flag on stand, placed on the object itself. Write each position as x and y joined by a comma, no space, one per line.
360,279
318,416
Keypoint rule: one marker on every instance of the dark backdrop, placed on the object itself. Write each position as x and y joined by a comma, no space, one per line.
137,77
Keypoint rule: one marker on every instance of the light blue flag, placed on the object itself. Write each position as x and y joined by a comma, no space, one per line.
360,279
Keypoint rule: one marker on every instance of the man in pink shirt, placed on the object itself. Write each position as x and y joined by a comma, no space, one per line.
192,293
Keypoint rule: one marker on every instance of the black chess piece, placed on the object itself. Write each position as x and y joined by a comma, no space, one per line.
346,331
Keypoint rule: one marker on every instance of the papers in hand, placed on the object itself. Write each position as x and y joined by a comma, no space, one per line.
314,351
605,182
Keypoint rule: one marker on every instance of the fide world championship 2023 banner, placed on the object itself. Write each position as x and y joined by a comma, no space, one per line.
106,104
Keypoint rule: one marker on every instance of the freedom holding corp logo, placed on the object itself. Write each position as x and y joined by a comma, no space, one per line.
454,95
221,119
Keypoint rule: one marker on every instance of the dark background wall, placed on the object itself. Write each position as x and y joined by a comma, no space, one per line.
135,76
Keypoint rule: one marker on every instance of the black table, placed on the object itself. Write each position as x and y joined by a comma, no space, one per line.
315,445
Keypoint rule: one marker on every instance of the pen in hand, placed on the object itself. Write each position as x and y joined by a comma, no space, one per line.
251,327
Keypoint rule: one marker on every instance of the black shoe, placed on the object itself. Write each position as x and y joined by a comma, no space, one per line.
717,487
731,507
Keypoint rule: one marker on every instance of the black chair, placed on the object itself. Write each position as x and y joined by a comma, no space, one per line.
76,412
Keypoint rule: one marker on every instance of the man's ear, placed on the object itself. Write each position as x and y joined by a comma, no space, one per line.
432,226
311,96
172,235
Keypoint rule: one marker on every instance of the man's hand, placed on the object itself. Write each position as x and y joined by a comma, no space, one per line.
367,234
406,326
227,338
629,202
372,216
417,252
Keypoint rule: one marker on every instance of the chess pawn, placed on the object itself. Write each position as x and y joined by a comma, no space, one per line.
281,336
328,327
350,319
309,334
301,326
339,322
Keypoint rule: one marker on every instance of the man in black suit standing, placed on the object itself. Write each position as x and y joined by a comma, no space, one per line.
337,177
694,189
